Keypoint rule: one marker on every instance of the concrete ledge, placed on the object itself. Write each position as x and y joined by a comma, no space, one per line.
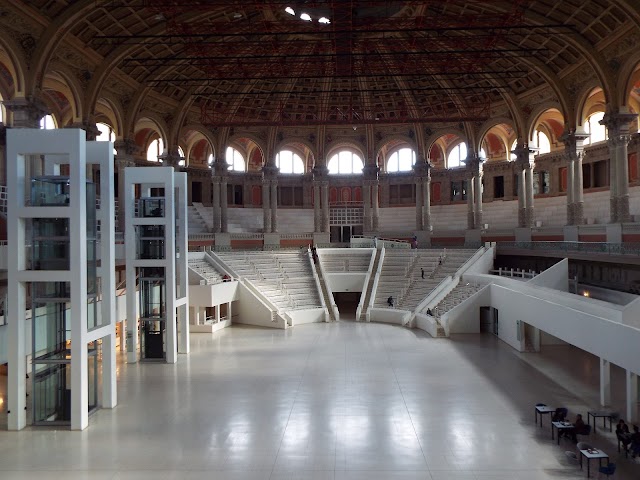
210,327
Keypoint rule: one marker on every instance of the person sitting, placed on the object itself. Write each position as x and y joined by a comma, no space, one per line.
579,428
635,442
623,435
226,278
429,312
559,415
390,301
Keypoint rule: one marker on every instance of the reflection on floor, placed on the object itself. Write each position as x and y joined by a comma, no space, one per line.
325,401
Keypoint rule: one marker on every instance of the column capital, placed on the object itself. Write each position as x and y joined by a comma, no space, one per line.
27,111
618,125
524,155
370,171
319,172
126,147
90,128
422,169
269,171
473,163
172,158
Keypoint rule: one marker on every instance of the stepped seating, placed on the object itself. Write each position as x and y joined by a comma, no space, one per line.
285,278
455,297
354,262
206,270
401,275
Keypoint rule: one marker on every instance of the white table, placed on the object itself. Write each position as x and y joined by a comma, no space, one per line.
543,410
560,426
592,453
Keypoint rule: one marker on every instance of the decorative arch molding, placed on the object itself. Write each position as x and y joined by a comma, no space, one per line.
413,144
67,85
111,104
489,124
133,107
535,115
233,139
356,147
205,132
282,145
581,104
626,78
15,63
433,138
150,120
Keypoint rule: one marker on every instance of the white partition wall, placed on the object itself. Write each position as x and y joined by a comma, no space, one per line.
156,255
54,249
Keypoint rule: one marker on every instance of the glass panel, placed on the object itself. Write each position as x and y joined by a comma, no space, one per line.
52,393
152,295
51,330
92,361
151,207
50,191
151,240
152,340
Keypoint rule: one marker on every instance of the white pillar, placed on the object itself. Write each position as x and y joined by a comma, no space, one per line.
478,200
109,385
632,396
605,382
229,315
217,307
470,212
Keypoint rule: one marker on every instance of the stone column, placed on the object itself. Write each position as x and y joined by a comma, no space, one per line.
266,206
574,152
224,208
215,187
366,205
618,128
370,173
426,201
27,113
419,204
325,206
317,219
522,200
470,213
530,215
274,205
478,200
375,211
524,167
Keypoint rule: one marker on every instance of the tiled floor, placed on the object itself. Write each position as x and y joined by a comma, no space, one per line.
323,401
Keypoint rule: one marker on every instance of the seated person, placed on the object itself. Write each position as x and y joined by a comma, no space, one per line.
558,415
226,278
390,301
635,442
579,428
623,435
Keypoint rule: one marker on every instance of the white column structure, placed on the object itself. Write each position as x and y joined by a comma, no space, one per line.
632,396
605,382
171,256
61,200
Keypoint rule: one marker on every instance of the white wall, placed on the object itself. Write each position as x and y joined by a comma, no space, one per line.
556,277
212,295
465,317
252,311
346,282
389,315
311,315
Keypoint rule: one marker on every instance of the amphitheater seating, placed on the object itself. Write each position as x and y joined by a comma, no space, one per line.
401,275
283,277
206,270
355,261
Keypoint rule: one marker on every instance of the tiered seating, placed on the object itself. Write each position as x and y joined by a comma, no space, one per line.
401,275
454,298
206,270
283,277
355,261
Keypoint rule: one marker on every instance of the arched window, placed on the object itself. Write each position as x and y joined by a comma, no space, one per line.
289,162
106,134
156,148
401,161
210,160
483,154
182,155
235,160
345,163
541,141
512,156
597,132
457,155
47,123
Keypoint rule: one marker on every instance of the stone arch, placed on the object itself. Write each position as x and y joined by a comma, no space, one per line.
584,104
535,115
302,148
147,128
441,133
61,80
107,109
345,144
379,145
14,63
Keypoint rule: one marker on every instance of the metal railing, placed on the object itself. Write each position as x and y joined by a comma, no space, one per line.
576,247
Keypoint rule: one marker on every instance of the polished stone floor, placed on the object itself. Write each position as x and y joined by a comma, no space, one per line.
325,401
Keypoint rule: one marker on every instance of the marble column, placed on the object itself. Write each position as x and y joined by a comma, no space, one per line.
522,198
478,200
470,213
574,153
366,205
419,204
325,206
530,213
317,218
274,205
266,206
375,211
618,129
224,207
215,188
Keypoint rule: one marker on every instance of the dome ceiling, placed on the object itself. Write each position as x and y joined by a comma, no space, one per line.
259,63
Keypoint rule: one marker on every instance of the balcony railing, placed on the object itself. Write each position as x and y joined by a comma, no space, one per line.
576,247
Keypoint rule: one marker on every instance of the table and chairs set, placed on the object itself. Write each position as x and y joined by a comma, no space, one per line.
560,426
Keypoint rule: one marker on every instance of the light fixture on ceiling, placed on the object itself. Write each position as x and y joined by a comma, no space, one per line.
290,11
237,15
305,16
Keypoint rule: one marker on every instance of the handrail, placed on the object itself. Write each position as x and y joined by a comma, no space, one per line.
260,297
318,285
376,279
367,279
433,294
472,259
579,247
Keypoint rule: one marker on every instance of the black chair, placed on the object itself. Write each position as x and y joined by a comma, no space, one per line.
624,440
560,414
608,470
